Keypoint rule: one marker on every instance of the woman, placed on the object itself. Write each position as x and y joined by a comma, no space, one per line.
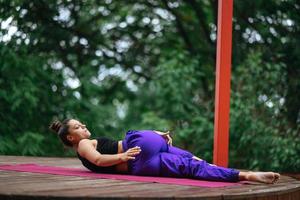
145,153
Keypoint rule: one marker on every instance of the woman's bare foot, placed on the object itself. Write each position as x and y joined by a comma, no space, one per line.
263,177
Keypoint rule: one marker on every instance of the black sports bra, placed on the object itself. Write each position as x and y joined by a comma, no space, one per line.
104,146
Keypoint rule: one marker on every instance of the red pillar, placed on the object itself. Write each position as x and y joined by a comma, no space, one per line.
223,73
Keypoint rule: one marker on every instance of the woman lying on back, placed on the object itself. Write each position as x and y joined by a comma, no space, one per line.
145,153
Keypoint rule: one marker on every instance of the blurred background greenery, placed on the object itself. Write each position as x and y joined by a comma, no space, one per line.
121,65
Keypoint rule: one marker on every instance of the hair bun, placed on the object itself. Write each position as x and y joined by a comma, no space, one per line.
55,126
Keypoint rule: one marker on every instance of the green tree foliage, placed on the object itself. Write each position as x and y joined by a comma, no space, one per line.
120,65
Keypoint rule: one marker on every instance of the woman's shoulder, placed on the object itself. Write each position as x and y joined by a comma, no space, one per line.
86,143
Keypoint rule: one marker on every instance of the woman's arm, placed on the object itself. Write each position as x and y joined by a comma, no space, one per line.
161,133
87,150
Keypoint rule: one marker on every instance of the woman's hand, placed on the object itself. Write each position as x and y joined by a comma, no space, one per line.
130,154
168,138
165,135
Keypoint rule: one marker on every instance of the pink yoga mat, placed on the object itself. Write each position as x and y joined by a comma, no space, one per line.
35,168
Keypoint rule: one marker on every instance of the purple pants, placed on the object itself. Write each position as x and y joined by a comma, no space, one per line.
157,158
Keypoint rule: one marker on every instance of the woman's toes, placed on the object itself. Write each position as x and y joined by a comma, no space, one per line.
276,177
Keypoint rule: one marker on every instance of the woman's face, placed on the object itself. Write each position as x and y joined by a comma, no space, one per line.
77,131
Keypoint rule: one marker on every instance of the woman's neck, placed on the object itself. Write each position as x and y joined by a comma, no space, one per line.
75,146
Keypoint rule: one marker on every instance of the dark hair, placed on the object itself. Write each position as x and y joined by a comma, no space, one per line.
62,130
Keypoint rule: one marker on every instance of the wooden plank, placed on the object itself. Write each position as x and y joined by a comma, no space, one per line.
20,185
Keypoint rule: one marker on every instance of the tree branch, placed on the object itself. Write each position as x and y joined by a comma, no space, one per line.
201,19
180,28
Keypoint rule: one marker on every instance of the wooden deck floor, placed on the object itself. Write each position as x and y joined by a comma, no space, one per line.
24,185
